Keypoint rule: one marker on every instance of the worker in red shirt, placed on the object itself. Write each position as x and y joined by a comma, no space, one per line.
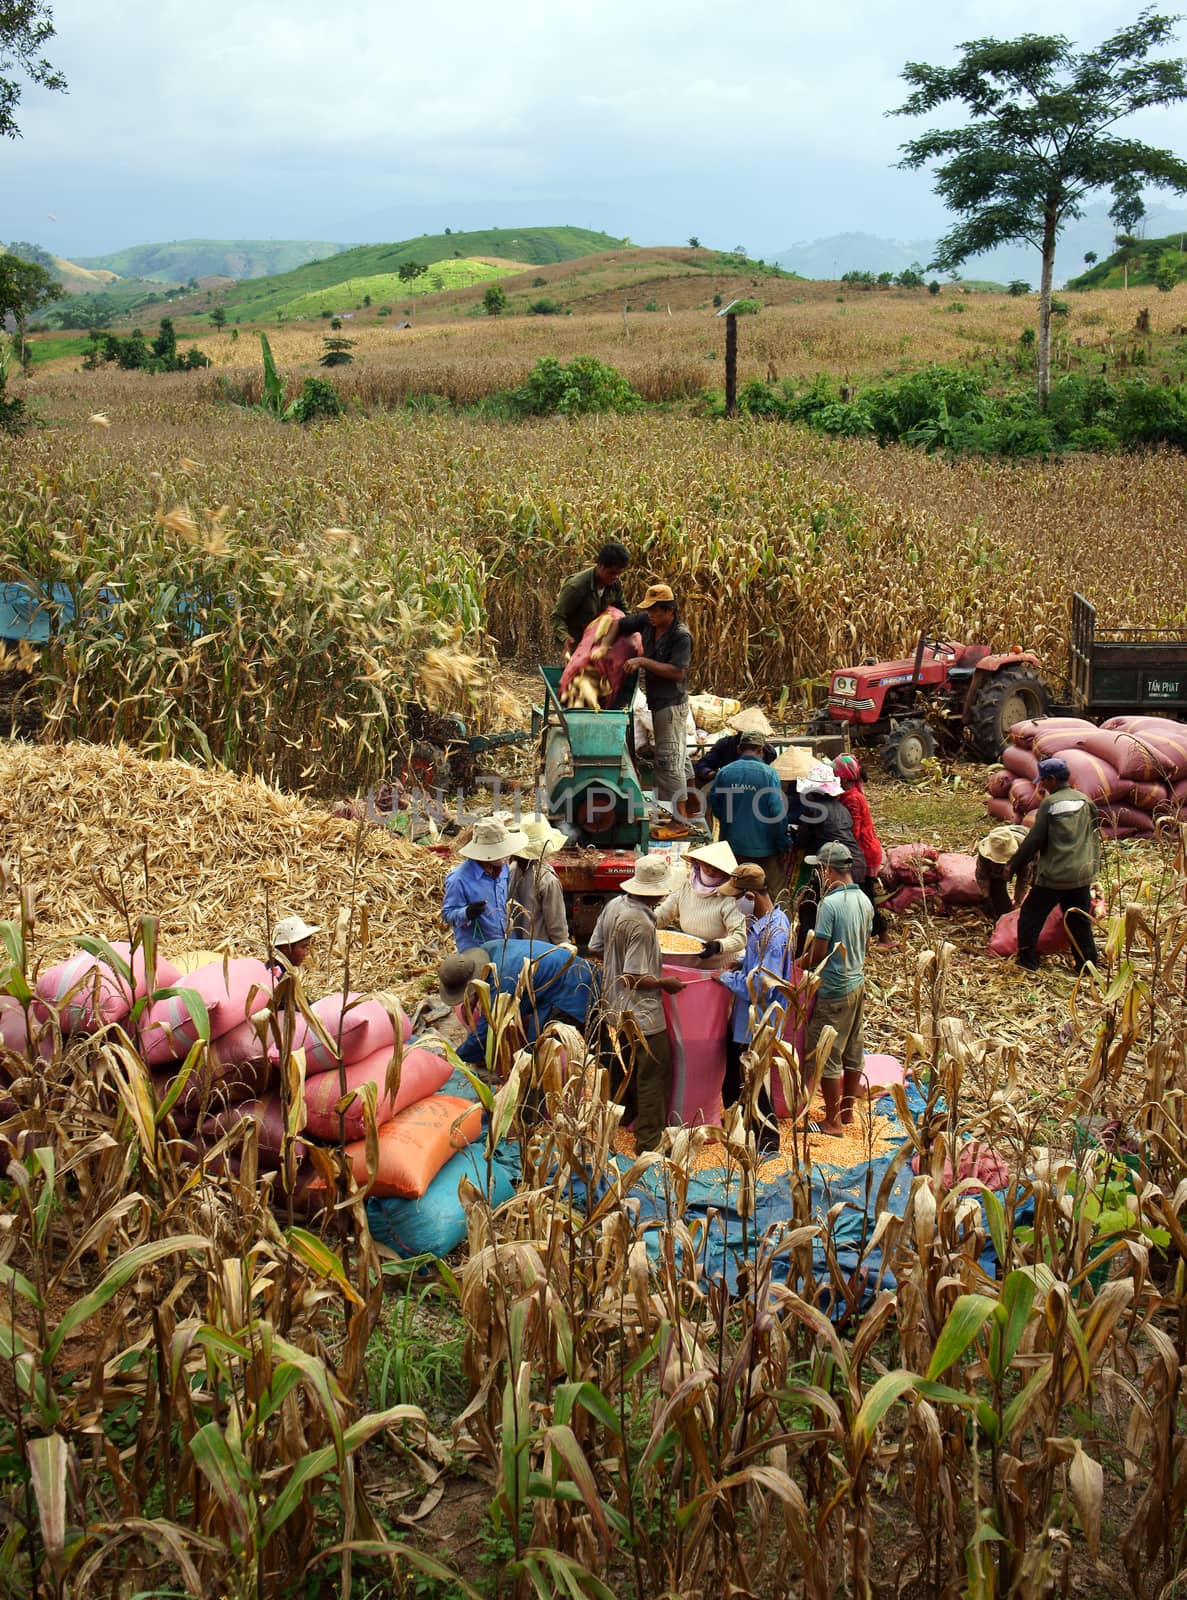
853,798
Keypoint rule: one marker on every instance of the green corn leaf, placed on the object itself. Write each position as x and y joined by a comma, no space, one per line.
125,1268
965,1321
226,1470
318,1462
888,1389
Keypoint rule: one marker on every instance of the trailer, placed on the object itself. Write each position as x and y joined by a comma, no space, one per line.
1116,671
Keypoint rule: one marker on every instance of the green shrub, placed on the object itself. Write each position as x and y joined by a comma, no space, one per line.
318,398
572,389
546,308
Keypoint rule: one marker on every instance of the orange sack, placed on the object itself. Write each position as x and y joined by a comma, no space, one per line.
416,1144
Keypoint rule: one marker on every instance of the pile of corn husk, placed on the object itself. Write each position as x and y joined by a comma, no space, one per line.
101,837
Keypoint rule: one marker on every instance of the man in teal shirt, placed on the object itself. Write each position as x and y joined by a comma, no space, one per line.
746,797
843,921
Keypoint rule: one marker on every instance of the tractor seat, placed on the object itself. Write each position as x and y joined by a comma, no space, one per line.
970,654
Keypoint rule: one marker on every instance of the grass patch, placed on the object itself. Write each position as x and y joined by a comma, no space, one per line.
348,295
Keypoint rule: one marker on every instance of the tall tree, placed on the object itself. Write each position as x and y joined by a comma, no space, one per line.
25,288
1039,139
25,26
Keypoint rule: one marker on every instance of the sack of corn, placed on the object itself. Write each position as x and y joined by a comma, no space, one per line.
594,673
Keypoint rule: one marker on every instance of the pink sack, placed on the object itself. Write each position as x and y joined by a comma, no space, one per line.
998,784
958,880
268,1115
1055,742
1152,756
238,1045
167,1030
86,993
206,1092
1003,941
697,1019
1021,763
368,1025
879,1072
999,810
1095,778
164,975
1025,733
15,1027
612,665
1124,822
422,1072
1144,796
1022,794
906,898
975,1161
914,863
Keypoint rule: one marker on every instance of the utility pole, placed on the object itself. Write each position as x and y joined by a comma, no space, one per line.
731,358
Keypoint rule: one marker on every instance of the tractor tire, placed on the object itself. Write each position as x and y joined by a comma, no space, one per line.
907,748
1011,695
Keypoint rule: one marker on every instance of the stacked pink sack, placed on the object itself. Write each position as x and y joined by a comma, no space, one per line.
1133,767
919,875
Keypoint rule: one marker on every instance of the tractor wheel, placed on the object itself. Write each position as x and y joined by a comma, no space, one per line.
907,748
1011,695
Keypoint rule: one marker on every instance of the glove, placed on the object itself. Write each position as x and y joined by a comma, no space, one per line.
712,948
474,910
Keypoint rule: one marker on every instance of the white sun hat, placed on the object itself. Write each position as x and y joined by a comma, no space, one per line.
492,841
291,930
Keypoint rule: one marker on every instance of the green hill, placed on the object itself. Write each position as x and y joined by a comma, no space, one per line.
1152,263
380,286
527,246
183,259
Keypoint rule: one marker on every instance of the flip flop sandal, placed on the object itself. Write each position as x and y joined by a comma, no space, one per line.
822,1131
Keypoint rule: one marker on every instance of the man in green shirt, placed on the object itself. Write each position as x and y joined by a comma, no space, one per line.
1065,837
839,939
587,594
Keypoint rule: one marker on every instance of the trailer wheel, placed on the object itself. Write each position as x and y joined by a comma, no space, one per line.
907,748
1012,695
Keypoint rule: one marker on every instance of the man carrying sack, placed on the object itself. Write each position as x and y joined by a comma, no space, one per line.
667,653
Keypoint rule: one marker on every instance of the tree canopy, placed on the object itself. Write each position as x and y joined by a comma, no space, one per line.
1041,137
25,27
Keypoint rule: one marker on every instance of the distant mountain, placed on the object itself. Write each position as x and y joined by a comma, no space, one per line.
183,259
849,252
521,246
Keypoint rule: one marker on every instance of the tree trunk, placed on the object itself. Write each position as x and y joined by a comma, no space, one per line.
1048,271
731,365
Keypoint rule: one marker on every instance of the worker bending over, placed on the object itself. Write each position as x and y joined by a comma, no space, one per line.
553,985
1065,839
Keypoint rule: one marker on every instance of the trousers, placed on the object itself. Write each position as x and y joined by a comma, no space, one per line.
672,769
1076,906
645,1088
845,1013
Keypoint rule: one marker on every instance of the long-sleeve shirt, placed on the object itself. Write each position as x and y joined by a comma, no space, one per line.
536,903
1065,836
466,885
705,916
747,800
625,937
767,962
580,601
718,755
826,821
858,807
549,980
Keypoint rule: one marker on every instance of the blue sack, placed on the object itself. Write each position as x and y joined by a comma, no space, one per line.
435,1224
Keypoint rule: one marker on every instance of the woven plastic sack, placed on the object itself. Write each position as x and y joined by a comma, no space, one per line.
422,1072
958,884
612,665
231,991
999,781
1153,755
914,863
1003,941
267,1113
1024,733
18,1032
416,1144
999,810
1126,822
435,1223
1094,777
1022,795
1021,763
88,993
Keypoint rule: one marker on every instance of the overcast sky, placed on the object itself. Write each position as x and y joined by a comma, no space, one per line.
759,124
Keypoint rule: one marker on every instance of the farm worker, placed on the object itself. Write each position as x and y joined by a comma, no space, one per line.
698,906
757,984
633,979
553,983
853,797
843,921
1065,839
290,941
587,594
994,855
751,719
746,797
535,899
824,820
475,904
667,652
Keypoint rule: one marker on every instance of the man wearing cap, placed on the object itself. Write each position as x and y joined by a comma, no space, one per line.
746,797
552,983
475,904
667,653
994,854
1065,840
535,899
633,980
698,906
839,939
758,986
587,594
291,938
751,719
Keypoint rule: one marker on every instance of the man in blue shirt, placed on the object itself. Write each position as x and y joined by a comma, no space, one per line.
747,799
554,985
843,921
759,987
475,904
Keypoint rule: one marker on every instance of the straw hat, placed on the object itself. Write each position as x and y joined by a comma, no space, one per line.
542,837
653,878
659,594
751,719
457,972
794,762
1000,845
748,878
819,779
291,930
491,841
717,855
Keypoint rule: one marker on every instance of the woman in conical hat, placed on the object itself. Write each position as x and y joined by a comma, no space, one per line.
698,907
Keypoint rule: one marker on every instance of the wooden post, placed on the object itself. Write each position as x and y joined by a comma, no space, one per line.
731,364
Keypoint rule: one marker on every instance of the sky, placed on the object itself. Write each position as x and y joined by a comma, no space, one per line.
759,124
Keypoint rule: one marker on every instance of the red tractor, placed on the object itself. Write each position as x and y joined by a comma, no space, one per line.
963,687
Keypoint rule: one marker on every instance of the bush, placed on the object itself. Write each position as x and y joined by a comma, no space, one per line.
318,398
582,385
546,308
